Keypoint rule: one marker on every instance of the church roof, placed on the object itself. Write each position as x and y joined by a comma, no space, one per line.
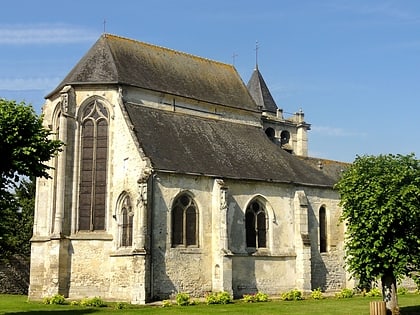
333,169
260,92
117,60
195,145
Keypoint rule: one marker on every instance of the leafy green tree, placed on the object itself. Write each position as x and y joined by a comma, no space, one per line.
25,147
380,196
17,220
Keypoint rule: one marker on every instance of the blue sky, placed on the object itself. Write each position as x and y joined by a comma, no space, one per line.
353,67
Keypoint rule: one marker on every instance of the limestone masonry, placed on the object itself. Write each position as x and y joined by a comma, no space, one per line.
177,177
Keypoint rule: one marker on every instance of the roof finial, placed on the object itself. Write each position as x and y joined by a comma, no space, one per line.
233,58
257,46
104,26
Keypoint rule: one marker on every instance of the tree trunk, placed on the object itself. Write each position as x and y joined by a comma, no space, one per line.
389,293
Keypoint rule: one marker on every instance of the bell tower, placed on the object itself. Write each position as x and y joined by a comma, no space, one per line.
289,133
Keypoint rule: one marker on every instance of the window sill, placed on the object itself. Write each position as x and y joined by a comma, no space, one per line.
187,250
101,236
265,253
127,251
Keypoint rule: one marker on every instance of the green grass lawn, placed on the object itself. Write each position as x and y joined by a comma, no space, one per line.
409,304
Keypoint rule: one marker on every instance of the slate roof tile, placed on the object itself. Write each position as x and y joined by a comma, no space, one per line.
188,144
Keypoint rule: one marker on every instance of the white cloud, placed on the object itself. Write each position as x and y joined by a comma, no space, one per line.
44,34
336,132
35,83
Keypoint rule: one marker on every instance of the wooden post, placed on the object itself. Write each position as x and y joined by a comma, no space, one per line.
377,308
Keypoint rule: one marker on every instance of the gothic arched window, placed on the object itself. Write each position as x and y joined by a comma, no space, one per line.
322,230
256,225
184,222
93,167
126,222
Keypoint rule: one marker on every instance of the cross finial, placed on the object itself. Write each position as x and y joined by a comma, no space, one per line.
233,58
104,26
257,46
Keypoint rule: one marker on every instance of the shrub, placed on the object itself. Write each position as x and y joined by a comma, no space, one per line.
402,291
248,298
219,298
345,294
194,302
183,299
317,294
292,295
374,292
166,303
261,297
74,303
55,299
95,302
120,305
257,297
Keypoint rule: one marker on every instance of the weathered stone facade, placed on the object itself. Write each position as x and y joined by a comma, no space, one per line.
197,199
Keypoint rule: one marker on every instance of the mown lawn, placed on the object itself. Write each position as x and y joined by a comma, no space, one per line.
409,304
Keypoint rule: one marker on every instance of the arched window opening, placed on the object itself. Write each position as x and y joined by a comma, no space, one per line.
284,137
270,133
285,141
126,224
184,222
322,230
93,167
256,225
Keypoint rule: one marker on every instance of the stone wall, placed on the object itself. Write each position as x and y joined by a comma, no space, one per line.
14,275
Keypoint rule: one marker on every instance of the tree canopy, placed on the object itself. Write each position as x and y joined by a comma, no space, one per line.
380,196
17,221
25,145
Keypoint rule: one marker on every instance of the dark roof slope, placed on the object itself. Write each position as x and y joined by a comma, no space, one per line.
260,92
188,144
331,168
118,60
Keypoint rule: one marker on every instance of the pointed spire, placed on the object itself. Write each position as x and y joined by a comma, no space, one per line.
260,92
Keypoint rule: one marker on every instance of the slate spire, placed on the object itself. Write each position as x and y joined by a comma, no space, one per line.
260,92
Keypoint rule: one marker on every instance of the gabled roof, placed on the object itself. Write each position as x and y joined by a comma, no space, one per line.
117,60
260,92
195,145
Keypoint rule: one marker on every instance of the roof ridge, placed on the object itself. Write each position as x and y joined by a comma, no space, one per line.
168,49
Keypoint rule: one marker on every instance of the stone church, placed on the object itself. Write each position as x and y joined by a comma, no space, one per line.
178,177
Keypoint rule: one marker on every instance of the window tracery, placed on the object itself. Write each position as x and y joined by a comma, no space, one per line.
184,222
256,225
93,167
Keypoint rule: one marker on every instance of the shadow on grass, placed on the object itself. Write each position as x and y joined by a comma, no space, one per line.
410,310
54,312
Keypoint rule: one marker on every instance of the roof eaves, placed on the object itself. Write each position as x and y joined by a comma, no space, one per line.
295,183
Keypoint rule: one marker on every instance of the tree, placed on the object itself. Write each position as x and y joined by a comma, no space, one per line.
25,147
17,221
380,196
